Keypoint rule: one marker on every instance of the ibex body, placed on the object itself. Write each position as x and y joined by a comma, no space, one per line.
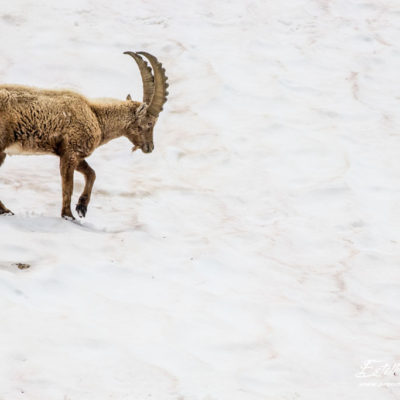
66,124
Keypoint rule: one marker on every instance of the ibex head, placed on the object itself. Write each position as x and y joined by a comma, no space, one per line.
140,130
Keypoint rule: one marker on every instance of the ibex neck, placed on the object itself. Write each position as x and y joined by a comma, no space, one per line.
114,118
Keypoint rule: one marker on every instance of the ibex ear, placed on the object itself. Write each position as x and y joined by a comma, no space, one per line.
129,97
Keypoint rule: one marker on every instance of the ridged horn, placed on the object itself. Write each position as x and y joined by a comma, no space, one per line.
147,76
160,79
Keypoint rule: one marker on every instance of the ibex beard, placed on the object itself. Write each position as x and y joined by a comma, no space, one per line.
66,124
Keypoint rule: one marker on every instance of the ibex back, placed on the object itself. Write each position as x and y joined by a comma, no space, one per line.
66,124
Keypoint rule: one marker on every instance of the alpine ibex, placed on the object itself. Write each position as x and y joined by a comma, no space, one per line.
64,123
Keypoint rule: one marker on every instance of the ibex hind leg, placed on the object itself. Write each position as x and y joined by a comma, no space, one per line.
3,209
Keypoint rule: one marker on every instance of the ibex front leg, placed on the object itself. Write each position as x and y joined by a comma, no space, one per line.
90,176
68,164
3,208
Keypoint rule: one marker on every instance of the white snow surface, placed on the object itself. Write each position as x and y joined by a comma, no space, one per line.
255,253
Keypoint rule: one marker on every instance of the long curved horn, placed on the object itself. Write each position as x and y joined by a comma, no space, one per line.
160,79
147,77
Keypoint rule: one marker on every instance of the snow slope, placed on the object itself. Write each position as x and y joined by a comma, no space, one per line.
253,255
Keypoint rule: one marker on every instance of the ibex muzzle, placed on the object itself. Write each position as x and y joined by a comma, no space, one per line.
148,147
66,124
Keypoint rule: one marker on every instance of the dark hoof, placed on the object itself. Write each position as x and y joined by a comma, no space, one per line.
6,212
81,210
